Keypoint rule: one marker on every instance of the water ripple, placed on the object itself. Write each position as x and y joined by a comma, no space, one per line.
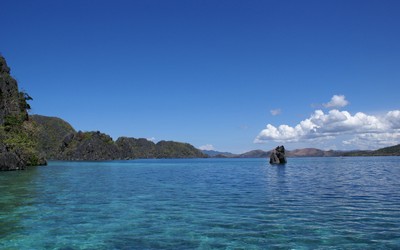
311,203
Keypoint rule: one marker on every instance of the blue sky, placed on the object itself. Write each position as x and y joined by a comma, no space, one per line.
228,75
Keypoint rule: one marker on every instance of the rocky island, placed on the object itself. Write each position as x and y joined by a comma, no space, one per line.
28,140
278,156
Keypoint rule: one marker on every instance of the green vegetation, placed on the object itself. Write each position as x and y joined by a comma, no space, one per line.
51,131
23,101
394,150
18,144
132,148
99,146
89,146
387,151
171,149
19,136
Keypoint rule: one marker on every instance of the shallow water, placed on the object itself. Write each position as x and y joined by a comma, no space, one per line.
310,203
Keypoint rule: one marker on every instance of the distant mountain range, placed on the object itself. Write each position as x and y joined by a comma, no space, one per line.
309,152
217,154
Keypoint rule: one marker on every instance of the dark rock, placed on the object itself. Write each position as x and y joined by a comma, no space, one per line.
278,156
67,140
12,102
88,146
10,160
18,142
95,146
4,69
132,148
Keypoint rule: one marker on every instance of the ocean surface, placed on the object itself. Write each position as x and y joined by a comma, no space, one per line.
310,203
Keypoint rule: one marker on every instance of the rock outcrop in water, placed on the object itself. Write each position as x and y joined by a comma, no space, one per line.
278,156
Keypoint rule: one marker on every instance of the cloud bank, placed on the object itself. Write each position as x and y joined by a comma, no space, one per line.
361,130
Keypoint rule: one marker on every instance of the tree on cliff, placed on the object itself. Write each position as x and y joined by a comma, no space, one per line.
18,145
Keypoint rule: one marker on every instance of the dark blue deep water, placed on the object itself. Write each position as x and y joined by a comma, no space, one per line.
311,203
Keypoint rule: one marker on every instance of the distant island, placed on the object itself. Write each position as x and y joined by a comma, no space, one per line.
59,141
309,152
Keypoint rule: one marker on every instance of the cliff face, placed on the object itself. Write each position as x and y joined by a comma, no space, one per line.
88,146
18,144
10,159
96,146
132,148
12,102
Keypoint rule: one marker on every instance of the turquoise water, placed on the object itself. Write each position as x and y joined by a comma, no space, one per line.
311,203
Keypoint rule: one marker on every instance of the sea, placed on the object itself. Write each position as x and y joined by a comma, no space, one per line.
309,203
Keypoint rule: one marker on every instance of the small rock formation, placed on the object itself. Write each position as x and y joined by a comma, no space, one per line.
278,156
10,160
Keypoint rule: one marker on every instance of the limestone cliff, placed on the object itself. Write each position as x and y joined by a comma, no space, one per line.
18,143
88,146
12,101
95,146
132,148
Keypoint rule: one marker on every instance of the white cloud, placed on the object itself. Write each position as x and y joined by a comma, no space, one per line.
377,140
337,101
394,118
152,139
360,129
207,147
275,112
